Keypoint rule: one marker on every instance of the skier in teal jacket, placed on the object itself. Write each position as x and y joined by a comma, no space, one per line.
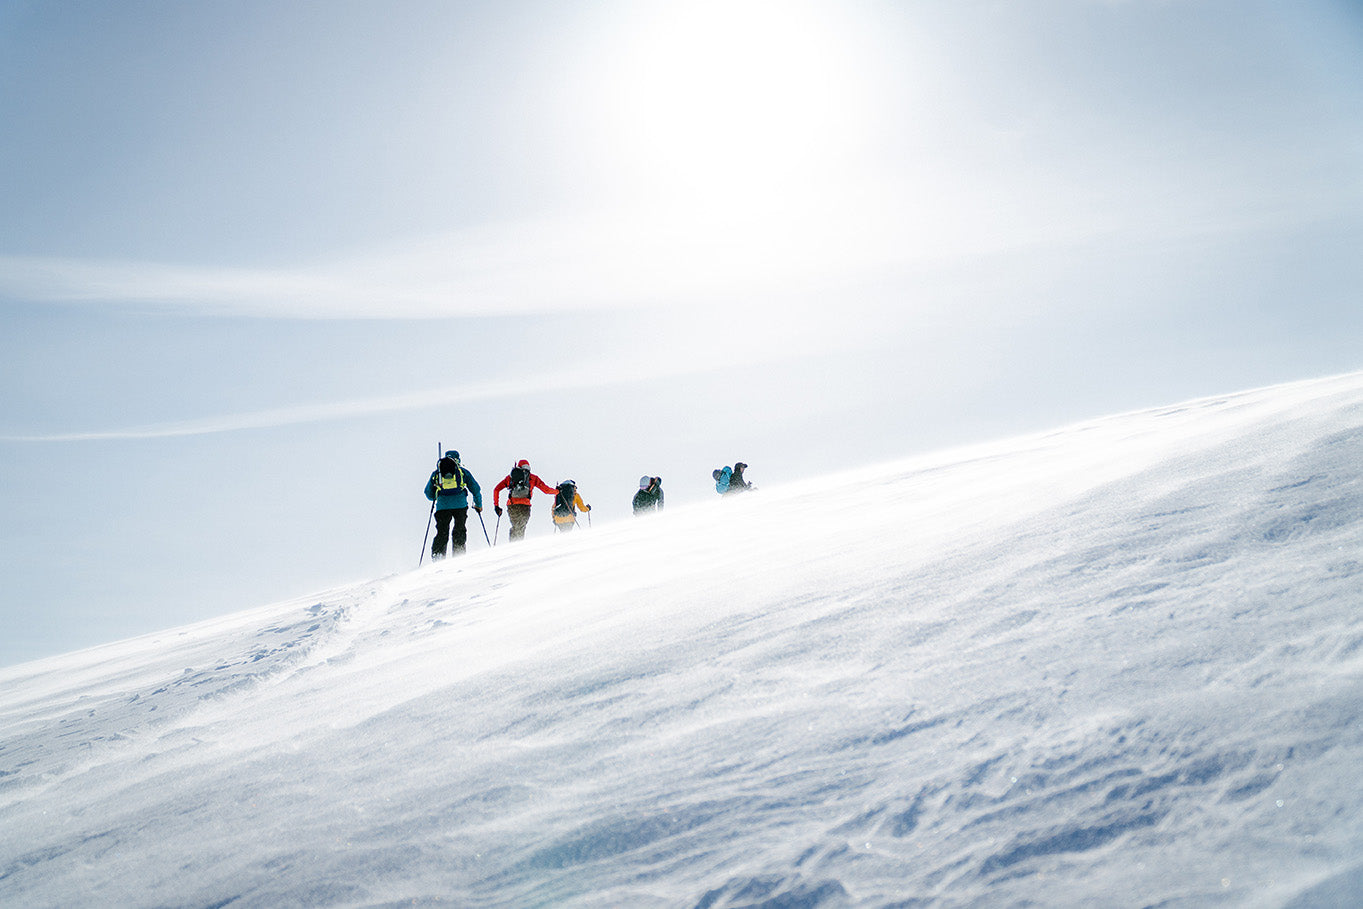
729,480
449,488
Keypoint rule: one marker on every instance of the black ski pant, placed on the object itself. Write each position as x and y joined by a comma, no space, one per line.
520,516
444,532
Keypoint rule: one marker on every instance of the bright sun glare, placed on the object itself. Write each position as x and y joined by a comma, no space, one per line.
732,136
734,100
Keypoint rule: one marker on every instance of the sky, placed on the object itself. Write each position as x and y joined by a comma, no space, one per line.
1117,664
259,260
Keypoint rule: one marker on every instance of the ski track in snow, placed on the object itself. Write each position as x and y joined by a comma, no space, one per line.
1116,664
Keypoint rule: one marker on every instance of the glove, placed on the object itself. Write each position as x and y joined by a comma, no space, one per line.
587,507
498,509
478,508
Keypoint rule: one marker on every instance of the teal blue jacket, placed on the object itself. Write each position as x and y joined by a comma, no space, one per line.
454,498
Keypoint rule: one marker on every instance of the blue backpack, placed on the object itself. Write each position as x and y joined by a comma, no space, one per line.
722,479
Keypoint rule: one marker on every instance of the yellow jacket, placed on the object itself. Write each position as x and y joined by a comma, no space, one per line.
572,518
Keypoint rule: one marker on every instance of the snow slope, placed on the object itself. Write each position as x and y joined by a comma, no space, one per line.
1119,664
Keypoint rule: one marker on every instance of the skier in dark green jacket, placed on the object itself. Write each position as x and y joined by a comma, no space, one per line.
649,498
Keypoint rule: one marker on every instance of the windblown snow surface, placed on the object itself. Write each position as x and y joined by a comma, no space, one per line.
1116,664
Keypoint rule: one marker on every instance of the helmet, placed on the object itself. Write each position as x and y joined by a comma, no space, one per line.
644,481
523,463
452,454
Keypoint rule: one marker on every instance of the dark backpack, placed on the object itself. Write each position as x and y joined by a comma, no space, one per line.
451,475
520,483
563,502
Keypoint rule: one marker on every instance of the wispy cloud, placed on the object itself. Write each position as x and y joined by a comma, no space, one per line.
666,252
595,377
525,268
672,253
280,416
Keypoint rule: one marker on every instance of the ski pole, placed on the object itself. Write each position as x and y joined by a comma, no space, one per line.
480,521
497,528
438,449
430,518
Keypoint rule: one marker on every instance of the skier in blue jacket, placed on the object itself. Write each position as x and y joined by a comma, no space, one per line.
449,488
729,480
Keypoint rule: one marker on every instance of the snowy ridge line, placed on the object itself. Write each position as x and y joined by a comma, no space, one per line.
1189,420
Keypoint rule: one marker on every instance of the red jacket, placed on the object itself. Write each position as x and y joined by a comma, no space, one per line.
535,482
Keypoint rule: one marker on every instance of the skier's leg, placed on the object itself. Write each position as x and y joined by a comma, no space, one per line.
520,517
442,533
460,533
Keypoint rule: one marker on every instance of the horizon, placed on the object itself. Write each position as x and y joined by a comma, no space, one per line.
255,261
925,461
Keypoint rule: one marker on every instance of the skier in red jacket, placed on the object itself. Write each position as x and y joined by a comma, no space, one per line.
520,483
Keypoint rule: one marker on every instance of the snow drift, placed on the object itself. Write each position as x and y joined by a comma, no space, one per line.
1120,663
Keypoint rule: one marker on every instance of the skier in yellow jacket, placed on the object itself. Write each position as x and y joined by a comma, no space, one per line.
567,503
